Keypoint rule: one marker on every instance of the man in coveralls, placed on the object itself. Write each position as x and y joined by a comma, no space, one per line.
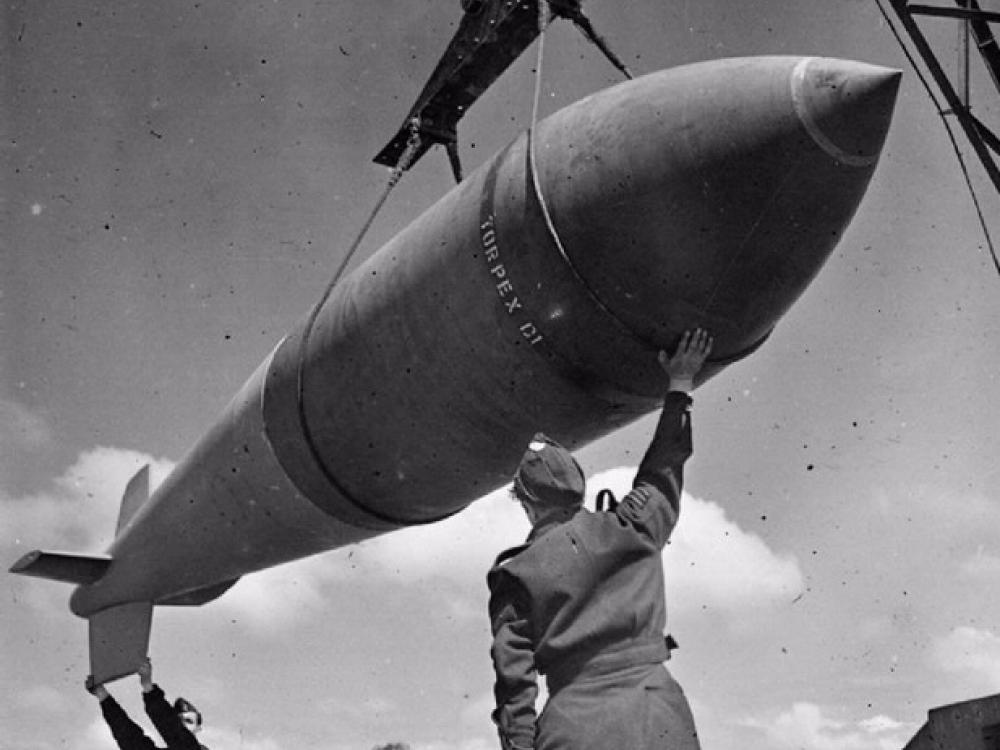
177,724
582,601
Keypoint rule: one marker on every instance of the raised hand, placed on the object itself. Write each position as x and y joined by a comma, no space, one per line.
687,360
145,672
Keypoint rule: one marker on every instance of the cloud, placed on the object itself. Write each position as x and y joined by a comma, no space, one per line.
271,601
456,552
461,548
712,562
805,725
79,511
972,653
881,723
76,513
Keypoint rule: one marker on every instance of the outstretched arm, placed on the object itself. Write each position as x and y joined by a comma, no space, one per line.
654,502
166,720
126,732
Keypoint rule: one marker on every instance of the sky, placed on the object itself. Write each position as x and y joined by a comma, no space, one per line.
179,183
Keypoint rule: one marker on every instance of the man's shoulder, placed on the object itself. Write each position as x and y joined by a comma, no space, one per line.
537,550
509,554
504,562
618,528
522,562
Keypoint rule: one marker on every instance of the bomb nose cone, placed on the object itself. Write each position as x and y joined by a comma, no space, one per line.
711,195
846,106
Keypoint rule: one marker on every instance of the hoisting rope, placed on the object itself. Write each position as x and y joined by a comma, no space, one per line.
951,135
543,18
412,145
404,163
405,160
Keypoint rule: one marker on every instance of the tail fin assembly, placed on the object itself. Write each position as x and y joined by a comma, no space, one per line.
119,635
86,569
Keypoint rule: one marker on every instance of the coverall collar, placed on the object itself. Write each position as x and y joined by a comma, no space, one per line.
556,518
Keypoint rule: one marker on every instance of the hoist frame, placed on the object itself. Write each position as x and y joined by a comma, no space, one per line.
491,35
977,26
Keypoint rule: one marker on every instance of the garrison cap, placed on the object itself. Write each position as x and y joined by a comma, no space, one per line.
549,475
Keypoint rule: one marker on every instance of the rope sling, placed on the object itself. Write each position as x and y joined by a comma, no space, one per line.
405,161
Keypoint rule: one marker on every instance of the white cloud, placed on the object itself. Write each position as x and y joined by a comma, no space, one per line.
881,723
805,725
712,562
270,601
103,473
457,551
972,653
79,512
461,548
